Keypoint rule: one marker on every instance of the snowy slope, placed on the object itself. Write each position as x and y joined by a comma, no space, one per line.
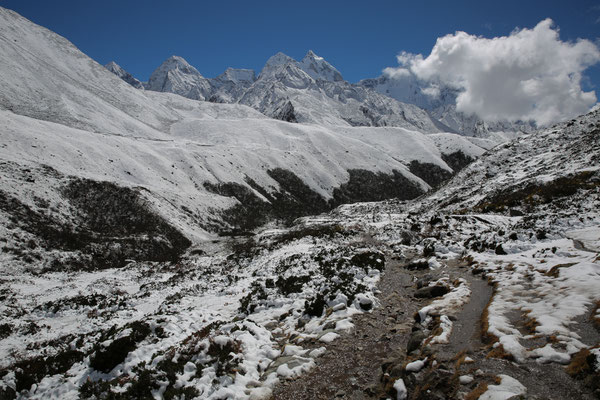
231,84
217,150
534,159
229,318
45,77
191,327
79,118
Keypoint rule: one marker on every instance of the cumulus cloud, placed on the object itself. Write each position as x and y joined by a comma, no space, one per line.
397,73
432,91
529,75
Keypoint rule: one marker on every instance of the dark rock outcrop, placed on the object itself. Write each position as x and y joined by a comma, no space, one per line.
107,226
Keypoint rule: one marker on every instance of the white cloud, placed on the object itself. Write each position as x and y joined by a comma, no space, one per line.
396,73
529,75
431,91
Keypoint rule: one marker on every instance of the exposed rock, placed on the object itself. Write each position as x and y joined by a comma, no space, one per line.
431,291
285,113
416,338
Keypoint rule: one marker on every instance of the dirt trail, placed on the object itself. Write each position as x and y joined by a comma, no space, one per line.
351,367
544,381
466,329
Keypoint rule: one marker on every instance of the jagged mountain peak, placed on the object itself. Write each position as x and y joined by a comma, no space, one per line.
124,75
177,76
318,68
176,63
312,54
276,61
279,59
113,67
237,75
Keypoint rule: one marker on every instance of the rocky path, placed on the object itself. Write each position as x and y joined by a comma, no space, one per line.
364,362
352,366
466,329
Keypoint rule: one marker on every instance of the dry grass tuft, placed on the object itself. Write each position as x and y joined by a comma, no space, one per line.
555,271
531,324
487,337
583,368
459,359
580,365
499,352
477,392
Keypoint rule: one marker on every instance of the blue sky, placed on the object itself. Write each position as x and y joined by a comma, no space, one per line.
359,38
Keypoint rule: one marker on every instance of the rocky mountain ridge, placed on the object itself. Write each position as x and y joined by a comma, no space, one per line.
313,91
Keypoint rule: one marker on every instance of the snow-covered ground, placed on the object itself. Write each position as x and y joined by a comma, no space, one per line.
233,318
222,325
230,317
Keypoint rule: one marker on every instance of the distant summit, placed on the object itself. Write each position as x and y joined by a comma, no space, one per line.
126,76
275,61
237,75
318,68
175,75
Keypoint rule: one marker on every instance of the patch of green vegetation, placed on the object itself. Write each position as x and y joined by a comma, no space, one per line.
292,284
7,393
539,193
457,160
92,300
366,185
369,259
316,306
296,199
29,372
110,225
5,330
107,358
430,173
224,355
249,302
417,265
250,213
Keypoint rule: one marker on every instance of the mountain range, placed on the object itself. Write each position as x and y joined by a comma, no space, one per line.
244,236
206,157
313,91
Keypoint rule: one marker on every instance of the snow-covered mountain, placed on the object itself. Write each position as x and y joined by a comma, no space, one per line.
285,84
126,76
313,91
178,149
310,91
175,75
440,101
114,282
318,68
231,84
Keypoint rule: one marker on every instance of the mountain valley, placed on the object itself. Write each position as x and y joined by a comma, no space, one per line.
285,235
